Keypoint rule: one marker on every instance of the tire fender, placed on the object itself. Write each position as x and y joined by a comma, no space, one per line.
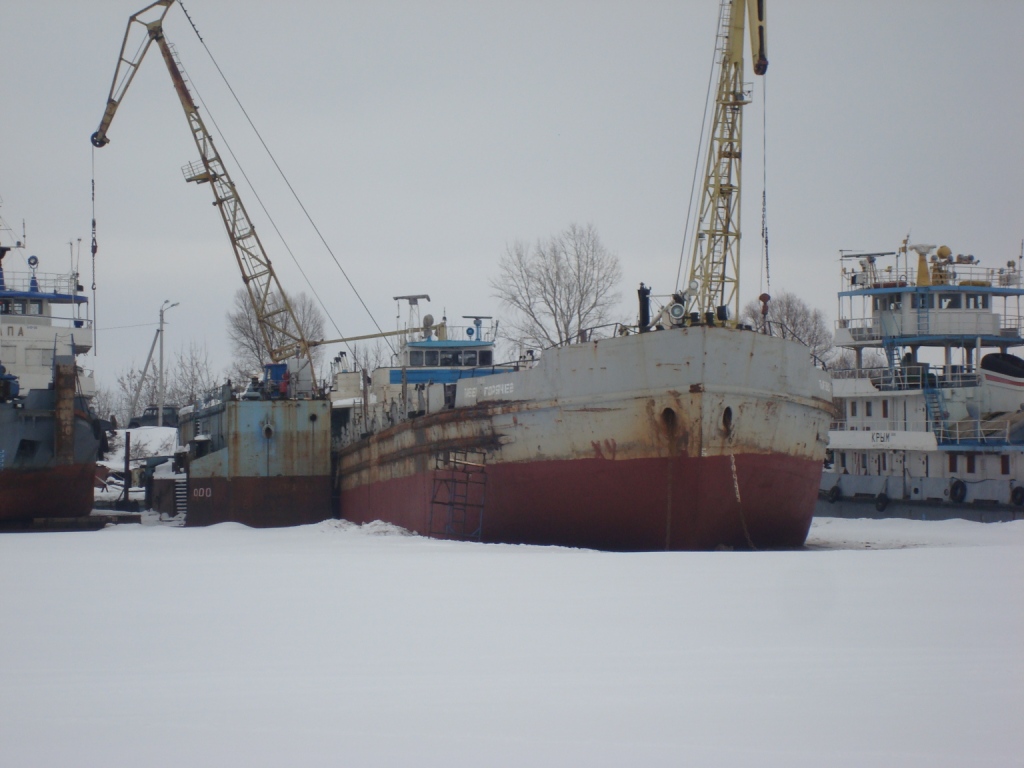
958,491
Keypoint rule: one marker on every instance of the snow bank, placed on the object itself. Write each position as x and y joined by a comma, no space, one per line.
332,645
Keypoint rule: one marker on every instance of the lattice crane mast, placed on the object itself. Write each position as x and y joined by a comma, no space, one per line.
282,334
715,260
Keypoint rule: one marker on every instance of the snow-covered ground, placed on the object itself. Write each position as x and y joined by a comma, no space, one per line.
884,643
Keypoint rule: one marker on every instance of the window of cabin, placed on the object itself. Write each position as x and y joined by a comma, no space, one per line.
885,464
451,357
430,357
485,357
950,301
853,408
842,459
17,307
35,307
39,356
970,463
867,409
952,462
416,357
885,409
977,301
469,357
1004,464
922,301
864,462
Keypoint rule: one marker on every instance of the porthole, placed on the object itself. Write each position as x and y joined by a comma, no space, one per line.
668,418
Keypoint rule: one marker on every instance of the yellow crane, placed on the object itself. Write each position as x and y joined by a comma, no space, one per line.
715,259
282,334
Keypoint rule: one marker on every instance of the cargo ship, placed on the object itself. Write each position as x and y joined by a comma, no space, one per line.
686,430
692,437
49,438
930,409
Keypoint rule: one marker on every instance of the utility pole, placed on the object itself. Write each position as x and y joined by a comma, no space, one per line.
160,412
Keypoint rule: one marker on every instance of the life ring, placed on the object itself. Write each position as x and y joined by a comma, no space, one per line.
881,502
958,491
1017,496
834,494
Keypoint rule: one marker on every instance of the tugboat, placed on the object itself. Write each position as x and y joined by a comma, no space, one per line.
49,438
933,428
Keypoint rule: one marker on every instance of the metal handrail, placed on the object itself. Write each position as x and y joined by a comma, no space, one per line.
966,431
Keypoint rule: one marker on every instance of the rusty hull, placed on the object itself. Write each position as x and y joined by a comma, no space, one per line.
266,463
685,439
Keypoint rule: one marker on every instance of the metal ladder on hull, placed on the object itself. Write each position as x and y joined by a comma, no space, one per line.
180,496
457,501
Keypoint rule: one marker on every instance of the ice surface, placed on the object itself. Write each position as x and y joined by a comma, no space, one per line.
883,643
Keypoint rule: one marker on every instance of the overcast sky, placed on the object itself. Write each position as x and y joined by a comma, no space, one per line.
424,137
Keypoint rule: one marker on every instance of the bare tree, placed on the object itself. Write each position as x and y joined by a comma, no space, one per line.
559,288
791,317
846,359
367,357
188,374
250,353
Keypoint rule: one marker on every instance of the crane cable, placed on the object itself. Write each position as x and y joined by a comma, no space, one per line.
764,183
696,165
94,248
290,188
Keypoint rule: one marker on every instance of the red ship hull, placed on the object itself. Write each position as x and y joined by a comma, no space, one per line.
674,503
62,491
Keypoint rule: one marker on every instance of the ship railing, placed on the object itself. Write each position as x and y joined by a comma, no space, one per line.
860,328
939,273
40,282
1011,326
461,333
974,431
878,425
968,431
911,377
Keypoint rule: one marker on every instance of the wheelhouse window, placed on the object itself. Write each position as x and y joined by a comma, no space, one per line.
35,307
485,357
415,357
469,357
922,301
977,301
950,301
451,357
430,357
887,303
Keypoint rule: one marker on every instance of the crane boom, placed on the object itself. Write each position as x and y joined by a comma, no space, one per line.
715,262
282,334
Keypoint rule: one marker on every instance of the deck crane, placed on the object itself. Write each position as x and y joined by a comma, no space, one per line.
282,333
715,260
